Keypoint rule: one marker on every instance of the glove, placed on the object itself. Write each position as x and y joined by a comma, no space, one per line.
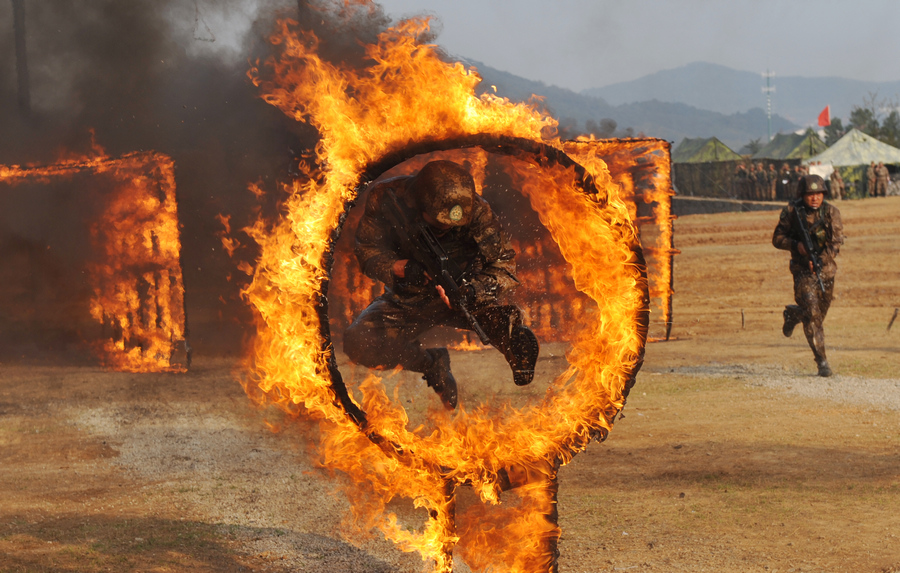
414,274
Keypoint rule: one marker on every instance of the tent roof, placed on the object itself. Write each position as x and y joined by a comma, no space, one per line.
700,150
857,148
792,146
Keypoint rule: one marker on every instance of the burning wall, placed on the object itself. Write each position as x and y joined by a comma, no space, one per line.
135,74
642,168
134,277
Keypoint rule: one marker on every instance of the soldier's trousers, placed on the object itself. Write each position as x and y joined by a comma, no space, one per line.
812,306
385,334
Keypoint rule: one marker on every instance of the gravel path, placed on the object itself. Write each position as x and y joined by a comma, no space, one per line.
258,486
879,393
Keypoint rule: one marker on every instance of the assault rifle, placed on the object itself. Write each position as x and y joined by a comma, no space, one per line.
419,240
811,251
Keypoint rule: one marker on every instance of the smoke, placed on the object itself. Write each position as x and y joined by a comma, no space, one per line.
169,76
164,75
604,129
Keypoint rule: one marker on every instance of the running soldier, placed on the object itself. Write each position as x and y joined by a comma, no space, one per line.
439,203
813,285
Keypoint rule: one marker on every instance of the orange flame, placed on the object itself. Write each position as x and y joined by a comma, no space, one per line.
552,305
643,170
138,294
410,95
467,345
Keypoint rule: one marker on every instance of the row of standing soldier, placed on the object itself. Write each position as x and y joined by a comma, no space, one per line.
760,183
877,178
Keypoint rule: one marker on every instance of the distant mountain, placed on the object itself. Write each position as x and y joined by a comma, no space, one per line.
666,120
728,91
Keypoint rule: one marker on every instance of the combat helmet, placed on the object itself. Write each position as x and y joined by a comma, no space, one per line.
445,192
810,184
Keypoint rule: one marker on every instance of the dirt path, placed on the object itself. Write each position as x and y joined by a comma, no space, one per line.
731,457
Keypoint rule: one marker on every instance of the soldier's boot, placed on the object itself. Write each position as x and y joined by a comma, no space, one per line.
793,315
815,336
503,325
439,377
522,354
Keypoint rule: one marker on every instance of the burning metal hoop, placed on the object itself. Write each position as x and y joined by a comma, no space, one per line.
509,477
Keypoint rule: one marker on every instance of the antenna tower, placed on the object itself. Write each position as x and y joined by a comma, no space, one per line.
768,89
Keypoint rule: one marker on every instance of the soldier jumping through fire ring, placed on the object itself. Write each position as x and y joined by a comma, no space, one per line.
444,260
811,229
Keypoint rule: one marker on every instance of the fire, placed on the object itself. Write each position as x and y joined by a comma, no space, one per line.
138,294
467,344
410,102
643,168
553,306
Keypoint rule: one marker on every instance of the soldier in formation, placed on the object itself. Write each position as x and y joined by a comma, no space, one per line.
783,184
870,179
437,204
772,178
882,179
741,182
836,186
813,284
757,179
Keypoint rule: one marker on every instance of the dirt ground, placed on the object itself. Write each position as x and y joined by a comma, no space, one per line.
732,456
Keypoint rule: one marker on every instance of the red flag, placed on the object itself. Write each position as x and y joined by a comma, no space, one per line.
825,117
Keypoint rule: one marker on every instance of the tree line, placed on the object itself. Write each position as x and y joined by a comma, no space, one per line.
877,117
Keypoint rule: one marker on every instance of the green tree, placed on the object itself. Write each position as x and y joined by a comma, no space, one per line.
864,119
834,131
890,129
752,148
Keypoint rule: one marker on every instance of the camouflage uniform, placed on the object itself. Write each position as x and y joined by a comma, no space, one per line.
740,182
796,175
386,333
772,180
882,179
757,179
827,233
837,185
783,184
870,179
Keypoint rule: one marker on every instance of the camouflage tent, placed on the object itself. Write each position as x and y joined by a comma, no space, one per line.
857,148
792,146
704,167
703,150
851,155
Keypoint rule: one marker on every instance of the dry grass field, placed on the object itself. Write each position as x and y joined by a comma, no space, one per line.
732,456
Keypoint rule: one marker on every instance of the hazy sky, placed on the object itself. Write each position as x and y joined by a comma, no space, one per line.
580,44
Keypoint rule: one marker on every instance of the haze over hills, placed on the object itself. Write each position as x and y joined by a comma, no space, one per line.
668,120
728,91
